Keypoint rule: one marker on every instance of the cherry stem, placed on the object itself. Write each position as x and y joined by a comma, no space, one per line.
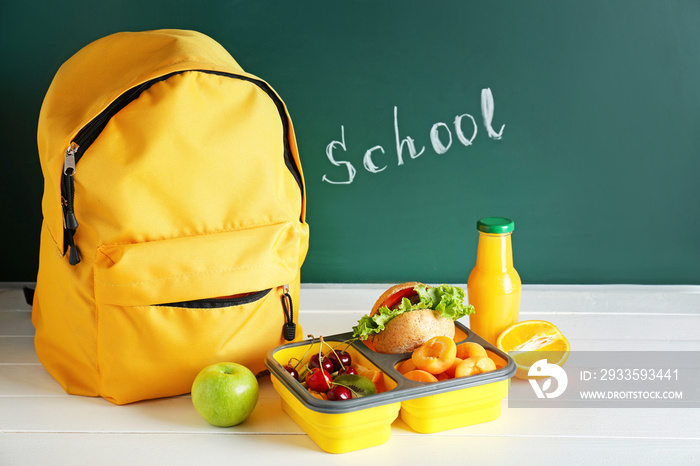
342,366
302,358
347,343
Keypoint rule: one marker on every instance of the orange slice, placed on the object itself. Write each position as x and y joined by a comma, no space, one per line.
377,377
531,340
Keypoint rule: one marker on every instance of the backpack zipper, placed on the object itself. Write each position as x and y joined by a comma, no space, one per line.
214,303
88,133
70,223
289,328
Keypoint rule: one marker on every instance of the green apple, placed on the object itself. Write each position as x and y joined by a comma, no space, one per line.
225,394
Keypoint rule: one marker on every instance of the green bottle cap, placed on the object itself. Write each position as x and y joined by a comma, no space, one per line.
495,225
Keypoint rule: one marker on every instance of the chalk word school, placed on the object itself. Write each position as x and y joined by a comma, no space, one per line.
441,144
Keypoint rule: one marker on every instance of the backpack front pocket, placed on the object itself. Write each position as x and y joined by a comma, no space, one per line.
166,309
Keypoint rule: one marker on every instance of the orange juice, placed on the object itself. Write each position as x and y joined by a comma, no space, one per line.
494,286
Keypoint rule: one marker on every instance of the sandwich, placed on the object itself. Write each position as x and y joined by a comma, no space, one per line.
407,315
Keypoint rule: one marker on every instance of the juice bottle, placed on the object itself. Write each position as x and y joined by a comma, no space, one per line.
494,285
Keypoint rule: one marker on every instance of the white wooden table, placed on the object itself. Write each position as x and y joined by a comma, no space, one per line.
40,424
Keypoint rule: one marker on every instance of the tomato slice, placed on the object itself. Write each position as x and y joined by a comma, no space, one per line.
396,298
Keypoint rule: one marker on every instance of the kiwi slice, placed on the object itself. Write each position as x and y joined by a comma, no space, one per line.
358,384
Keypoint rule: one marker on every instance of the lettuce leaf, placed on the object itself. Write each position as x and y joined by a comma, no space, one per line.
445,299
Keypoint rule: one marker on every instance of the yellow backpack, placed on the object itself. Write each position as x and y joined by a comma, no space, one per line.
174,217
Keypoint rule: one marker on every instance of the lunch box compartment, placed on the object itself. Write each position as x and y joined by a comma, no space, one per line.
336,426
459,408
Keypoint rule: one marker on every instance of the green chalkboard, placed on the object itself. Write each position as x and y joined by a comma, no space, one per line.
593,145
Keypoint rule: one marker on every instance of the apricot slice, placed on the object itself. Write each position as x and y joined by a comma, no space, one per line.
470,349
475,365
420,376
435,355
451,371
485,365
406,366
466,368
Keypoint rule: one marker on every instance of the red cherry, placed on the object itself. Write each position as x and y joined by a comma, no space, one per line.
318,360
319,380
340,359
293,372
338,393
348,370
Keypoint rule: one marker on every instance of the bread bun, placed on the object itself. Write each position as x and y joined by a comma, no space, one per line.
409,330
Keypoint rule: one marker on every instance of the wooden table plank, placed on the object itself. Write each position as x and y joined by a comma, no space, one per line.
40,424
230,448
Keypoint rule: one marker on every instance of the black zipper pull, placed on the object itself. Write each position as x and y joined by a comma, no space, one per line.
289,329
73,253
70,223
69,220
